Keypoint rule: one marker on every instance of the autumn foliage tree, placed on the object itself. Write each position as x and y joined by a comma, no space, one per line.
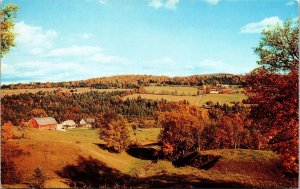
7,131
273,92
181,133
9,172
39,112
8,14
114,131
229,132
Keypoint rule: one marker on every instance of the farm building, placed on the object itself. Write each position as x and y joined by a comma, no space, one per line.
87,122
227,91
214,92
223,86
60,127
69,124
43,123
199,92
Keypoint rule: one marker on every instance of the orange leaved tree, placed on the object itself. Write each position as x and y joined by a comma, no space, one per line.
114,131
7,131
273,92
181,133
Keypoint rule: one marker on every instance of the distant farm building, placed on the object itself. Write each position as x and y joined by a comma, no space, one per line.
214,92
60,127
199,92
223,86
69,124
227,91
87,122
43,123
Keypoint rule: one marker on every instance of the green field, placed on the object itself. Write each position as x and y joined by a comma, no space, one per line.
180,93
172,90
194,100
143,136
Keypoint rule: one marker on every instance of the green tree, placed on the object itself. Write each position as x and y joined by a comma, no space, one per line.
8,14
278,48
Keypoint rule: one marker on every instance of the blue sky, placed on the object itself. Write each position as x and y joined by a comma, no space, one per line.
63,40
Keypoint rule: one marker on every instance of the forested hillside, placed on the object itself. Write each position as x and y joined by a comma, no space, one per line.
63,106
134,81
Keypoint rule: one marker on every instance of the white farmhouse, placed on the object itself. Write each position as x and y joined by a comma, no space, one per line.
60,127
69,124
87,122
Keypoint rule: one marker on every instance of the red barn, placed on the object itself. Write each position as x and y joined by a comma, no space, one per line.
227,91
45,123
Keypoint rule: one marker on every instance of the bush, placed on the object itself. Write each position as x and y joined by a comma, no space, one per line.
9,173
39,177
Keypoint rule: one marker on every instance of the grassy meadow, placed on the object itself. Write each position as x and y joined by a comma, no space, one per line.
172,90
55,151
194,100
180,93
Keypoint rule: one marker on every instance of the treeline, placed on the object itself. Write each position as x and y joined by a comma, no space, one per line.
134,81
62,106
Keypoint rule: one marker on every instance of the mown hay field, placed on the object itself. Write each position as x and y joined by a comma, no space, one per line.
172,90
195,100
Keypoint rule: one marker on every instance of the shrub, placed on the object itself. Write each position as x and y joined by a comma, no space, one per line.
39,177
9,173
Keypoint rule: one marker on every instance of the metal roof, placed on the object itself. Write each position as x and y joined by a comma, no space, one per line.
69,122
89,120
45,120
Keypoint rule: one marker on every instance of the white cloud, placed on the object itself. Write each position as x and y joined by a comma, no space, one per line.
212,2
55,70
86,35
218,66
74,51
90,54
34,39
103,2
160,62
167,4
35,71
171,4
291,2
105,58
257,27
156,4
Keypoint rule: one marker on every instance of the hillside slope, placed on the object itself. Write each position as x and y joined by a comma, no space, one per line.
76,156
